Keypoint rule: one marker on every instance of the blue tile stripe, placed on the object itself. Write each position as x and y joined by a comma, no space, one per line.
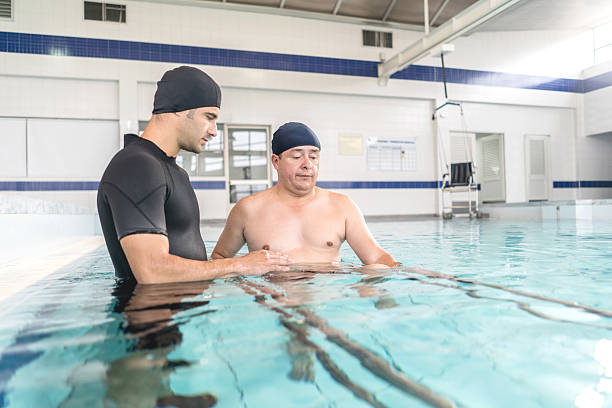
565,184
597,82
48,185
583,184
377,184
208,185
220,185
85,185
596,184
43,44
490,78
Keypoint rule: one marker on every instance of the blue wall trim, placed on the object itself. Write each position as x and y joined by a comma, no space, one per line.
377,184
565,184
220,185
583,184
208,185
25,43
597,82
596,184
48,185
85,185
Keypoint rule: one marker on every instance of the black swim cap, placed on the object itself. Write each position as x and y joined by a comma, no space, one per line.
185,88
293,134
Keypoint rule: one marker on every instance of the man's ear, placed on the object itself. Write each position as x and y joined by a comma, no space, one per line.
275,160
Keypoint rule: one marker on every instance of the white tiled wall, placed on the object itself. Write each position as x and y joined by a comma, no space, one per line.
90,88
597,111
37,96
552,53
514,122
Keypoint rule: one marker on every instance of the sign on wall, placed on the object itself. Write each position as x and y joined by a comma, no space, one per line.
391,155
350,144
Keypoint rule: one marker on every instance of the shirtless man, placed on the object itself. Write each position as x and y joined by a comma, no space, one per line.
295,217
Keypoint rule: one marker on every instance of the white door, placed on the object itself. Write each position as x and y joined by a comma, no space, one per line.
537,159
491,174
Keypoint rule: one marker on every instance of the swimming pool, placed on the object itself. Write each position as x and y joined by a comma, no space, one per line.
336,338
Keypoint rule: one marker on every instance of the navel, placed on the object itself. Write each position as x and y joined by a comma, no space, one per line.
266,247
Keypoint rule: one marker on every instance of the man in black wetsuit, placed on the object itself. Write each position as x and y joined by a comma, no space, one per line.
148,209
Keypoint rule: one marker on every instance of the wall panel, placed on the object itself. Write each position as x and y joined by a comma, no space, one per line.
12,147
68,148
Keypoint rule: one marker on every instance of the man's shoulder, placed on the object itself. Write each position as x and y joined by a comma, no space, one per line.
254,200
253,203
133,163
334,197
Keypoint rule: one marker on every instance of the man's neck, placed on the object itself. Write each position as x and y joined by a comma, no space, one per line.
293,197
162,137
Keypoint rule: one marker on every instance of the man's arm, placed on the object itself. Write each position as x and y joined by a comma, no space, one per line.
151,262
361,240
232,237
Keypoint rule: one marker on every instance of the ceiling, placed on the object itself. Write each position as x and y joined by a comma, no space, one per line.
552,15
409,14
393,11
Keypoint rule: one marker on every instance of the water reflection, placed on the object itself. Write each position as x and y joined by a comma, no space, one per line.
141,377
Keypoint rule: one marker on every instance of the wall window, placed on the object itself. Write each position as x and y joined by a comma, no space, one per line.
248,158
104,11
6,9
602,41
209,163
239,191
377,39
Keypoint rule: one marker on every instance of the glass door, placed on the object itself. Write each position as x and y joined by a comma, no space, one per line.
248,160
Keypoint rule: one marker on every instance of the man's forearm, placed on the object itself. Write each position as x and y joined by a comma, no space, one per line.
386,259
218,255
172,268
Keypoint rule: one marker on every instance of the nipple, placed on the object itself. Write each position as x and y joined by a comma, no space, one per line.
266,247
329,243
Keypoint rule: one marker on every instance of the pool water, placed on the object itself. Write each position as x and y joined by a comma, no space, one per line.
522,318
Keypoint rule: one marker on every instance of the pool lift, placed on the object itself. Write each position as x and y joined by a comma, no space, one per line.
459,177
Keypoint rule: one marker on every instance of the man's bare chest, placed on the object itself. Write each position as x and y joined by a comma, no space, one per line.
284,231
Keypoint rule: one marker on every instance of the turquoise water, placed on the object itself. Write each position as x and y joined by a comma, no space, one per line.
336,338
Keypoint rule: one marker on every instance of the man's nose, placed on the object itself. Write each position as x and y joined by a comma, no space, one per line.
307,163
212,130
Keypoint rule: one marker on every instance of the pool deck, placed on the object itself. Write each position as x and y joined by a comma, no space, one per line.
21,272
580,210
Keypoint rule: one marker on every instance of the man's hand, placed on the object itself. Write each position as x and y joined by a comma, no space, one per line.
263,261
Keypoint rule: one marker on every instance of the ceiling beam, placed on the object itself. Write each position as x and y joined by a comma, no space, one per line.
426,16
440,9
311,15
388,10
463,22
337,7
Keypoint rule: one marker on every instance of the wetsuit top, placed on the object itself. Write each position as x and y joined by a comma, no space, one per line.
143,191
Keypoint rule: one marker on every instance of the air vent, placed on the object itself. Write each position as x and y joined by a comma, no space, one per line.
6,8
377,39
104,12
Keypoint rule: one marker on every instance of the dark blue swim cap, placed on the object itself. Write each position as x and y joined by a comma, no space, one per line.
184,88
293,134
